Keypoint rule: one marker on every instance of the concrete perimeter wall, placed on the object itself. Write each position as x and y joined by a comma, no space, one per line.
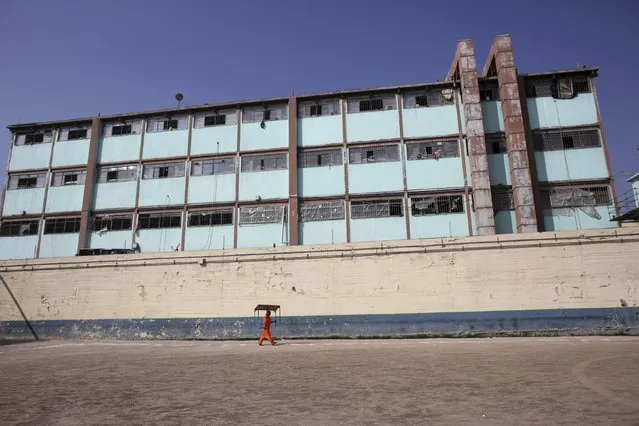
579,282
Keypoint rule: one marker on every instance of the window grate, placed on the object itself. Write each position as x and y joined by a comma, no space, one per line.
123,128
496,143
211,218
34,138
428,98
319,108
74,133
432,150
270,113
163,170
262,214
165,124
564,87
65,225
263,163
36,180
373,154
553,140
330,157
502,200
581,84
324,210
219,118
117,174
112,223
371,103
489,91
576,196
219,166
75,177
376,209
160,220
19,228
442,204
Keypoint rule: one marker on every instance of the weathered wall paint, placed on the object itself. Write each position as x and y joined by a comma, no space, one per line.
272,184
214,140
549,112
212,189
498,169
18,247
65,198
209,237
505,222
58,245
378,229
159,240
18,200
273,135
70,153
370,126
25,157
434,173
320,181
119,148
635,190
114,195
429,122
263,235
161,192
571,164
111,240
172,143
375,177
438,226
319,130
570,219
323,232
492,116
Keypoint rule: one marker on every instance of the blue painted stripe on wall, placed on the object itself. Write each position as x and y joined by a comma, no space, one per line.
547,321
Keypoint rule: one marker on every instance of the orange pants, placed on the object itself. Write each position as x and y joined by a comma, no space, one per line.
266,334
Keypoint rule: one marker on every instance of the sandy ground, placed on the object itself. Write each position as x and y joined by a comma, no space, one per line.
561,380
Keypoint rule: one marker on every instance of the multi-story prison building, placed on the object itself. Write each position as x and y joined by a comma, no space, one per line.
497,153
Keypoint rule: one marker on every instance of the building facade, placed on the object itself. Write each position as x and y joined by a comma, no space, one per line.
485,153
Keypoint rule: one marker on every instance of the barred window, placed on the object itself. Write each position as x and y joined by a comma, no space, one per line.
322,210
123,128
216,217
112,223
263,163
159,220
262,214
496,143
581,84
372,103
218,166
373,154
215,118
553,140
329,157
62,225
117,174
74,133
428,98
576,197
442,204
376,208
163,124
259,114
75,177
489,91
432,150
33,138
564,87
163,170
502,199
19,228
35,180
318,108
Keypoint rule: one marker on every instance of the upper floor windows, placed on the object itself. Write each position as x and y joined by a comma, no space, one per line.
163,170
64,225
117,174
261,114
559,88
575,196
323,158
217,217
502,199
160,220
432,150
321,210
210,118
373,154
19,228
318,108
378,102
489,91
27,181
441,204
123,128
553,140
33,138
75,177
496,143
254,215
164,124
112,223
218,166
74,133
262,163
376,209
428,98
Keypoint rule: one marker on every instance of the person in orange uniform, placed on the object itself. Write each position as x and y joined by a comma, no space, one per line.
266,332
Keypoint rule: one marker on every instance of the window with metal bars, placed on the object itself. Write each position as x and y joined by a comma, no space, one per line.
19,228
376,209
323,158
306,109
373,154
252,215
74,133
29,181
112,223
216,217
163,170
268,113
496,143
62,225
75,177
117,174
218,166
215,118
554,87
489,91
371,103
553,140
159,220
432,150
123,128
428,98
575,196
581,84
34,138
502,200
165,124
263,163
321,210
440,204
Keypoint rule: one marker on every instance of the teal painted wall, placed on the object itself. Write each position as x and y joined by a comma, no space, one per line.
18,200
378,229
18,247
71,153
370,126
493,116
319,130
575,219
581,110
506,222
172,143
25,157
213,140
65,198
439,226
158,240
498,169
110,239
583,163
430,121
262,235
211,189
160,192
209,237
375,177
431,173
320,181
322,232
114,195
119,148
274,135
58,245
271,184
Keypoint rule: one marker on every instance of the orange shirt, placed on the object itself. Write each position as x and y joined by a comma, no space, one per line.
267,322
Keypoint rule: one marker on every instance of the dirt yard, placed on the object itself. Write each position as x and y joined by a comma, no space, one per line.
561,380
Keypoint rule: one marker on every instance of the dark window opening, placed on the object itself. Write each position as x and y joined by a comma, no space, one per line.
568,142
163,172
396,208
124,129
153,222
267,115
33,138
262,164
370,155
486,95
371,105
77,134
211,219
27,182
316,110
214,120
496,148
112,175
19,228
170,125
70,179
421,100
118,223
62,226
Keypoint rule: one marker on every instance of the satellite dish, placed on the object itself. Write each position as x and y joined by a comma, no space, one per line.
179,97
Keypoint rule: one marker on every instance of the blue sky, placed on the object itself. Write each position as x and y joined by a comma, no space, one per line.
76,58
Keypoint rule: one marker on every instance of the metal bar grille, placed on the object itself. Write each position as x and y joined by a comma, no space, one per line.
76,177
324,210
381,102
217,217
581,84
331,157
319,108
66,225
502,200
112,223
428,98
117,174
163,170
564,87
263,163
19,228
262,214
575,197
432,150
160,220
496,143
27,181
373,154
553,140
218,166
268,113
34,138
211,118
442,204
376,209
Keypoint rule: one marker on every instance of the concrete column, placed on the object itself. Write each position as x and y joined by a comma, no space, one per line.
292,172
89,182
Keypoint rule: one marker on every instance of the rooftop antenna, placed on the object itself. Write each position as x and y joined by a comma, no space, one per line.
179,98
